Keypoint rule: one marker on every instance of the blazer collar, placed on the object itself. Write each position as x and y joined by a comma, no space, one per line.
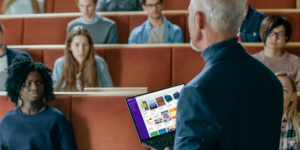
221,50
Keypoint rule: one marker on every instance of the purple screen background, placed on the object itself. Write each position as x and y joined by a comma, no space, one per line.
138,119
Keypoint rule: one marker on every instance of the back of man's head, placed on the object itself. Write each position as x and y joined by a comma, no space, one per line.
221,15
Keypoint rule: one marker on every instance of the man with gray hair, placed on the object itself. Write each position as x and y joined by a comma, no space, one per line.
236,102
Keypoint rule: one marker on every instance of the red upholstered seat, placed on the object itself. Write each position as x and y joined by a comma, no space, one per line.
186,64
36,54
273,4
140,67
63,103
45,30
48,8
13,30
176,4
103,123
5,105
62,6
50,55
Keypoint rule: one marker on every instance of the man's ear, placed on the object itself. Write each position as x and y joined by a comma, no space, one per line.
144,7
199,20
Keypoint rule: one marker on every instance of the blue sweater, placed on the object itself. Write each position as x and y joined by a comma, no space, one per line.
46,130
235,103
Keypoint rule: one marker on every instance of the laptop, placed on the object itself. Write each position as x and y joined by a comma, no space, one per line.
154,116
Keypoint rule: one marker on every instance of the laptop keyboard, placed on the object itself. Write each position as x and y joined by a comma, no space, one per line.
164,141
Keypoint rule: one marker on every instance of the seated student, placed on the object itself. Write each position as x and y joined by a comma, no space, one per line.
157,29
290,131
249,31
6,57
34,125
103,30
275,32
10,7
80,67
118,5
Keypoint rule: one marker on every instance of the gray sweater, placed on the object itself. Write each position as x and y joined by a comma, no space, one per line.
103,30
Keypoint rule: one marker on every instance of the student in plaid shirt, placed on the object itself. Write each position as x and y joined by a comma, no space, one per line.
290,130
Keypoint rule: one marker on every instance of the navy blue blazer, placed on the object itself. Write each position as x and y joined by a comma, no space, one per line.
11,54
235,103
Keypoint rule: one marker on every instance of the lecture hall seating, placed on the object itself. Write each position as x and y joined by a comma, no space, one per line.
67,6
152,66
99,122
51,28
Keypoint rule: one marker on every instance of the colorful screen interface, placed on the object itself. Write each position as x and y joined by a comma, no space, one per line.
155,113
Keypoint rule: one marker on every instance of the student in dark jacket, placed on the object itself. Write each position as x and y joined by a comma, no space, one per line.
249,31
227,105
34,125
6,57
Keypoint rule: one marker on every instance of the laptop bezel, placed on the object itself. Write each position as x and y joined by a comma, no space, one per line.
142,95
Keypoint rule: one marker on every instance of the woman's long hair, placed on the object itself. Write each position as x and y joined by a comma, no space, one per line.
7,3
291,114
88,75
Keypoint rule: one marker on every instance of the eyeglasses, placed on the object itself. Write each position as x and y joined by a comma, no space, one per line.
157,5
279,35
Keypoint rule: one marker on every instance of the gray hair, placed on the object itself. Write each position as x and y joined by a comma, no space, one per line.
222,15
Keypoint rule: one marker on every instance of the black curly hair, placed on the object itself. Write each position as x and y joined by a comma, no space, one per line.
17,74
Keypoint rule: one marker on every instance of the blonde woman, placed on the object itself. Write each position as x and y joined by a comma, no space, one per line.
290,130
10,7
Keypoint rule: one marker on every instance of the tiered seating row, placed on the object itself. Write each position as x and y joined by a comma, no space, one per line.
152,66
99,122
51,28
62,6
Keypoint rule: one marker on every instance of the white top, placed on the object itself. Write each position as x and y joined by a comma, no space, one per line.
78,82
3,71
23,7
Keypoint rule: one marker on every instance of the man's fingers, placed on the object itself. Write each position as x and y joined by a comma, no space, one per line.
167,148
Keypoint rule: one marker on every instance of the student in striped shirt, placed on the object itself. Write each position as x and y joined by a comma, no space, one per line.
290,128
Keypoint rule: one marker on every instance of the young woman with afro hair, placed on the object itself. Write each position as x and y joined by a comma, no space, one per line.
33,125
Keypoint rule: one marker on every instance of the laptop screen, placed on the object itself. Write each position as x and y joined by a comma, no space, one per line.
155,113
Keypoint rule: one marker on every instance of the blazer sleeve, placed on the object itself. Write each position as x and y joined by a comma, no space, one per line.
104,74
113,35
196,125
